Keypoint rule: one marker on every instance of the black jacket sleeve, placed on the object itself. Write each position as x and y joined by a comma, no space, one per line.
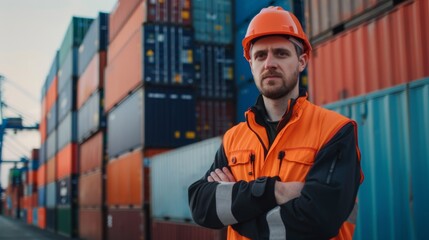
328,196
248,199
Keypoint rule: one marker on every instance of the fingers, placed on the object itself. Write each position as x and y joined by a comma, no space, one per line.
223,175
231,177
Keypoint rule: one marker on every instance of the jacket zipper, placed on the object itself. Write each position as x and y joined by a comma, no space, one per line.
259,138
280,158
252,162
331,169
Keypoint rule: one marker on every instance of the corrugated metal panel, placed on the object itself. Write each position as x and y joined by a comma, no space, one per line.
212,21
41,195
66,218
91,153
51,96
51,119
91,79
125,133
163,129
168,173
168,55
371,57
67,163
244,11
51,170
246,97
68,71
392,200
41,175
91,223
66,100
96,39
74,36
51,219
125,224
67,191
67,130
51,194
120,14
214,73
163,230
124,72
43,152
242,71
41,217
91,116
149,152
214,118
173,12
91,189
124,180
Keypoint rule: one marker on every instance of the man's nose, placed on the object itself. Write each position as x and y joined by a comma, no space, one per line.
270,61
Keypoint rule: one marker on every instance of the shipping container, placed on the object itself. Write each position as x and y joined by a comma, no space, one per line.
242,72
43,128
41,217
162,126
121,14
96,40
91,153
167,172
41,195
51,194
214,117
166,230
170,12
91,117
91,189
244,12
68,71
51,170
52,73
66,100
51,119
67,130
51,145
43,153
51,96
91,223
41,175
66,219
168,55
30,216
125,224
212,21
393,166
74,36
124,180
35,219
148,153
32,177
51,219
67,191
124,132
92,78
246,98
214,71
67,163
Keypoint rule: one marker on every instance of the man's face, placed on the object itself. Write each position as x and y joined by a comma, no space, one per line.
276,67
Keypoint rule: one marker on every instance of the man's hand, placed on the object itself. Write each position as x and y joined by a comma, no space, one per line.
286,191
219,175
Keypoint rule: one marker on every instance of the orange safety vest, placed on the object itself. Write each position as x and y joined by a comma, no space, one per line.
308,130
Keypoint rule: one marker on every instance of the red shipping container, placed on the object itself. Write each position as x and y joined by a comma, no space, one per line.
32,177
35,154
174,11
50,170
146,174
91,223
67,161
125,224
41,176
41,217
42,129
91,153
91,189
51,95
92,78
120,15
124,180
163,230
30,215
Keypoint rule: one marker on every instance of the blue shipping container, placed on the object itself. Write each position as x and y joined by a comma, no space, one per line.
67,130
41,196
66,99
245,10
393,138
68,71
51,194
53,71
43,153
214,72
35,217
212,21
96,39
169,117
67,191
168,55
52,118
246,97
90,116
51,147
242,71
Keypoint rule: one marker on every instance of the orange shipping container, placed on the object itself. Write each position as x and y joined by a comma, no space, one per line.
41,217
92,78
30,215
51,95
119,16
91,189
41,176
91,153
379,54
42,129
50,170
32,177
124,180
67,161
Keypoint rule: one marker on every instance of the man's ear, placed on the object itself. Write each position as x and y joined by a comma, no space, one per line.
303,60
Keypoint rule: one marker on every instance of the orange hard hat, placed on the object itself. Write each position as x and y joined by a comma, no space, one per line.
274,21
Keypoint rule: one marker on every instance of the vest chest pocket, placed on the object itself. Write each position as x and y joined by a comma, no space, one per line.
296,164
241,164
300,155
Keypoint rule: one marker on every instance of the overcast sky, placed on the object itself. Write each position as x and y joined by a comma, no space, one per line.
30,33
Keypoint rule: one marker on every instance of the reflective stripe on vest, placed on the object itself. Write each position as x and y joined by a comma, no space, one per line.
353,215
224,203
276,225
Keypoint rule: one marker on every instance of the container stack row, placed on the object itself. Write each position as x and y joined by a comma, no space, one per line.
29,199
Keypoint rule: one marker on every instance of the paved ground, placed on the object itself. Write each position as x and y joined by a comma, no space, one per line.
12,229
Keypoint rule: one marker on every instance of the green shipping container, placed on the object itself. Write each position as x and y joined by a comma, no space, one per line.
74,36
67,221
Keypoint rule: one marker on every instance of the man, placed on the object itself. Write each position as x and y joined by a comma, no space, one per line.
292,170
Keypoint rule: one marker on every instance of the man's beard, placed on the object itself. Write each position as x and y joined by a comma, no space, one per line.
287,86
